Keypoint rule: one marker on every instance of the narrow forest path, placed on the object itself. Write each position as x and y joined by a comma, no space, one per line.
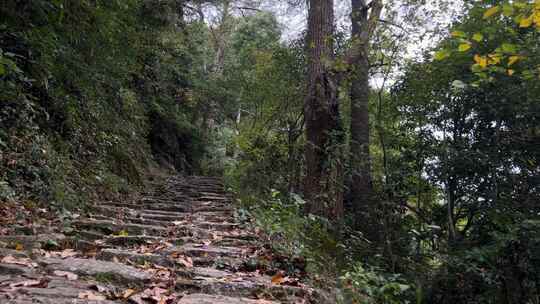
178,243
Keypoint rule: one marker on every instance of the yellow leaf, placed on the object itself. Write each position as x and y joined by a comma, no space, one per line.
478,37
19,247
494,58
526,22
513,59
536,17
480,60
510,72
123,233
459,34
464,47
491,11
441,54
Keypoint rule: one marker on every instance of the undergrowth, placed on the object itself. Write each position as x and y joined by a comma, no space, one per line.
289,231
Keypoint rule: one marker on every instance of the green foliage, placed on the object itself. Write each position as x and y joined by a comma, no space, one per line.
500,39
473,145
294,234
372,286
89,92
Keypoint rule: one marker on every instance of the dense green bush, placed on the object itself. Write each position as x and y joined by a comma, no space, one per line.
91,93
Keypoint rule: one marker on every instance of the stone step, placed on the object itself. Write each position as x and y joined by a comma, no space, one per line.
57,291
133,220
222,263
112,211
213,198
103,271
135,258
251,287
199,223
218,216
196,250
89,235
212,208
199,298
112,227
149,206
165,199
138,240
29,242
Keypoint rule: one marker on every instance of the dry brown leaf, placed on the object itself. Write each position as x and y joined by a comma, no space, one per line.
69,275
91,296
68,253
278,278
128,293
182,259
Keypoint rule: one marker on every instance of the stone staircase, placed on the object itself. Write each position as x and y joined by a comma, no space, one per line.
178,243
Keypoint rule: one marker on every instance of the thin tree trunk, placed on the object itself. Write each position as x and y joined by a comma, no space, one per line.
221,37
323,183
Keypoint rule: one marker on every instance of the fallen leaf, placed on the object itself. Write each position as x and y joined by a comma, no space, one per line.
69,275
128,293
19,247
184,260
68,253
278,278
91,296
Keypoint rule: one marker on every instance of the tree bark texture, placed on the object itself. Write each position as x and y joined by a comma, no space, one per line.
364,20
323,183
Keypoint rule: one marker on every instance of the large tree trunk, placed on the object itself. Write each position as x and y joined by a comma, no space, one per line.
323,183
361,189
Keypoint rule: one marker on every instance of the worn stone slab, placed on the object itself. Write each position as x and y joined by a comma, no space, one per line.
13,269
14,253
151,206
217,299
32,241
58,291
238,288
137,258
110,227
35,299
135,240
101,270
195,250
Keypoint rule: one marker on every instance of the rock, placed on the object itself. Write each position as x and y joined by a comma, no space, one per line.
112,227
195,250
13,253
33,299
136,258
100,270
214,299
12,269
30,242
